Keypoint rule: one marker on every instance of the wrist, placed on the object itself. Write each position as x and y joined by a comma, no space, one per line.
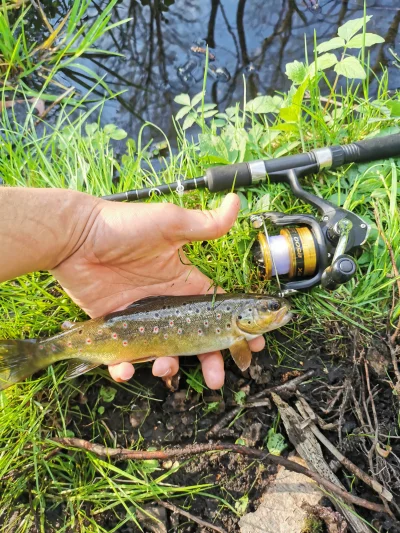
39,228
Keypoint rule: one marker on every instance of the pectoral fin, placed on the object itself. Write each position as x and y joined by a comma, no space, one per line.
76,367
241,353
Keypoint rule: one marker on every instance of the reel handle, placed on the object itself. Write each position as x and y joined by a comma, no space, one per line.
340,271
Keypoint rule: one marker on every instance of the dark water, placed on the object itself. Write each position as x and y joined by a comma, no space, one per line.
251,40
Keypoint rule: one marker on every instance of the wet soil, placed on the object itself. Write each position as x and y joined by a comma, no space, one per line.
185,416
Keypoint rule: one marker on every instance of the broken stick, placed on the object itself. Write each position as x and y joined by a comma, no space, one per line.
191,517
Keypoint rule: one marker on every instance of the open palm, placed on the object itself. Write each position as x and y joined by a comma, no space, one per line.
134,251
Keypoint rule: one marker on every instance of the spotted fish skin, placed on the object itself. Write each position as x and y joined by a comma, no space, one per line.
151,328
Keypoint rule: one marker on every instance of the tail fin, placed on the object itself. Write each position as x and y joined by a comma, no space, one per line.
19,360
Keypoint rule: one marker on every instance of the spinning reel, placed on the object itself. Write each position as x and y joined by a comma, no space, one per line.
309,251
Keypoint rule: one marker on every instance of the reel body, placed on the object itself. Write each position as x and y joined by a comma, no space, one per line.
308,251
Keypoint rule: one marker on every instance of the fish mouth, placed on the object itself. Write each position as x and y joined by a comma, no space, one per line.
287,317
283,316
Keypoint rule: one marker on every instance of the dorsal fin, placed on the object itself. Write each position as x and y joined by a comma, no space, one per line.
148,300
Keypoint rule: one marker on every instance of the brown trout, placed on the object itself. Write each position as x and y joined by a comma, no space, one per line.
155,327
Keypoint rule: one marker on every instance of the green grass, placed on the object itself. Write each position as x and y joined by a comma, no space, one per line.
22,58
75,152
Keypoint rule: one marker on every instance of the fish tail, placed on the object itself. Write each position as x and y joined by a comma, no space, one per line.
20,359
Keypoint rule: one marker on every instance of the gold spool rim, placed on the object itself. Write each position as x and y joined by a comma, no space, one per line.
266,253
310,254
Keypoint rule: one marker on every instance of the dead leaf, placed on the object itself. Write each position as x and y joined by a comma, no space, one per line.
383,452
38,104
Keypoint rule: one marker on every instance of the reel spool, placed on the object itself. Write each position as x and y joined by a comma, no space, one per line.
292,253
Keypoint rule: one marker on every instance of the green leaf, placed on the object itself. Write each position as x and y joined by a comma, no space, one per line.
183,99
91,128
219,123
209,114
293,112
195,380
394,107
183,112
323,62
370,39
131,145
206,107
240,397
213,146
101,409
197,98
107,394
149,465
230,111
268,137
289,114
109,129
189,121
235,140
333,44
264,104
350,67
275,442
241,504
351,27
296,72
118,134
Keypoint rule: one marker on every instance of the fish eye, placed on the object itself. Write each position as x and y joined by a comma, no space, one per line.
274,305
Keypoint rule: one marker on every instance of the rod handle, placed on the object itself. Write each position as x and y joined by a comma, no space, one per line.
228,176
366,150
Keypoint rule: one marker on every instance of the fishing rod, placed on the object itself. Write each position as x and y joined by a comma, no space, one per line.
308,251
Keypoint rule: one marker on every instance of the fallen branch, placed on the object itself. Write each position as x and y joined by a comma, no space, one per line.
123,454
191,517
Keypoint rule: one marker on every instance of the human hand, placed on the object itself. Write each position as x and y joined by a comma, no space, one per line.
134,251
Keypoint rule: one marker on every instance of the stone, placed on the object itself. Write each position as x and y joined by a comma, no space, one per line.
280,510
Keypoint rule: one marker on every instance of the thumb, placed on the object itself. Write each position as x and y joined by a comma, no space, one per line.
196,225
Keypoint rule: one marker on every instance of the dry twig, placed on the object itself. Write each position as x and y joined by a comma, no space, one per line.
288,387
53,104
191,517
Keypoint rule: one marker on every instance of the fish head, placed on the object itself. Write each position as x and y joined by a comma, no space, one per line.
263,314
